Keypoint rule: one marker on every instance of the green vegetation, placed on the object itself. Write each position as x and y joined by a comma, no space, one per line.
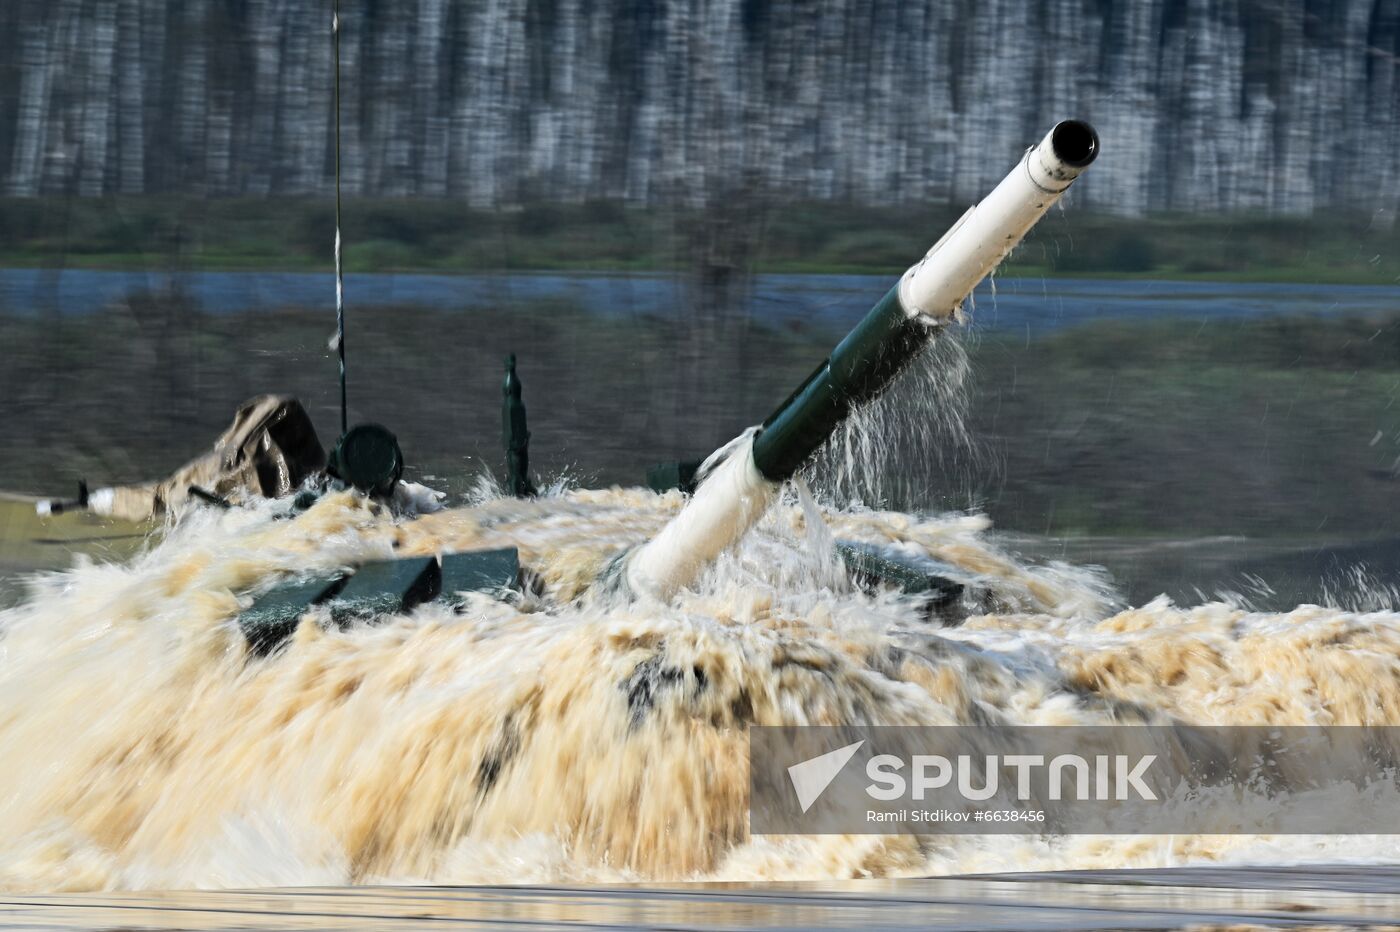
448,236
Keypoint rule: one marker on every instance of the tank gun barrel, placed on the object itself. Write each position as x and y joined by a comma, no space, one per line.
896,329
926,297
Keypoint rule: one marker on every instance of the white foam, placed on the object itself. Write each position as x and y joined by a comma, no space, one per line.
558,738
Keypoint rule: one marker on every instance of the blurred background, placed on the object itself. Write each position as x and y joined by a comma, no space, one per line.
671,211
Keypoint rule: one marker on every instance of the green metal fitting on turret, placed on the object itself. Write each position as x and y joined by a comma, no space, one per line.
872,566
386,587
662,477
515,434
870,356
376,589
368,457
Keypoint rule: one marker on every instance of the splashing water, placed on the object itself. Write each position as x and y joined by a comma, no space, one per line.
563,737
898,449
1358,588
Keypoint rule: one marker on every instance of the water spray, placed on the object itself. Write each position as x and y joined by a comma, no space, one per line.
739,489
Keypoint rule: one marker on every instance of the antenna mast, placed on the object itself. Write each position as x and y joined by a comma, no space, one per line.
339,341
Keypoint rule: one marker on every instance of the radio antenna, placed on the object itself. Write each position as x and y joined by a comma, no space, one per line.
338,342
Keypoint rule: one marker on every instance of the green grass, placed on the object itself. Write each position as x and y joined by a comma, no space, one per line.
445,236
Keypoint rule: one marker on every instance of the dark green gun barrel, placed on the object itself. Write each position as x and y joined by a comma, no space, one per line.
860,367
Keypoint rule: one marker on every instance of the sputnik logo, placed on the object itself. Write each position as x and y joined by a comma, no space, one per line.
811,777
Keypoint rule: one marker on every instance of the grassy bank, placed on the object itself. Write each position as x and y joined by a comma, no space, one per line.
445,236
